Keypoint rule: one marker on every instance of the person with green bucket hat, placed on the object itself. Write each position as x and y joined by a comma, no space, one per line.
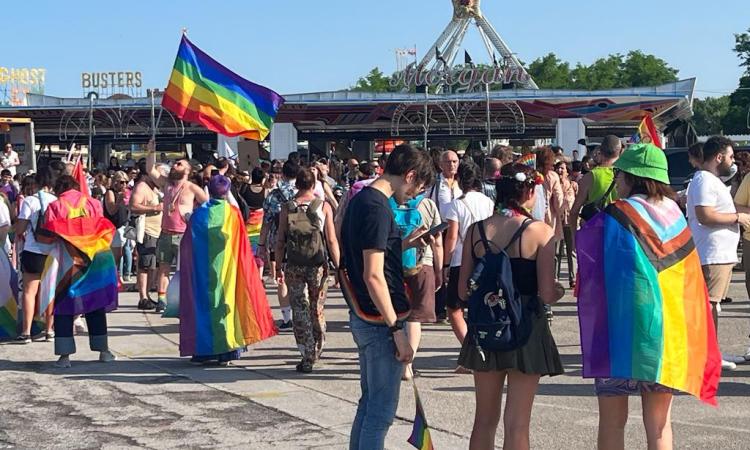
621,292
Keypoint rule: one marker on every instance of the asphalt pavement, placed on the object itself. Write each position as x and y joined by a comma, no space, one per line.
152,398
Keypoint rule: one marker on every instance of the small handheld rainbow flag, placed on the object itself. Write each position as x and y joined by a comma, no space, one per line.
420,433
648,133
203,91
528,159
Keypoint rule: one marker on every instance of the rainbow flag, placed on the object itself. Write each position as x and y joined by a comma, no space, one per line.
223,306
79,273
642,301
420,432
81,178
253,226
8,298
648,133
203,91
528,159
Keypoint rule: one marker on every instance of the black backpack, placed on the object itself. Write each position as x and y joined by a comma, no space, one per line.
498,321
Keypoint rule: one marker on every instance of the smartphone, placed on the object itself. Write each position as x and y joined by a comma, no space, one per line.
434,231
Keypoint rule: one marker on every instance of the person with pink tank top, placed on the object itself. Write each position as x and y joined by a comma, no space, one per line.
180,197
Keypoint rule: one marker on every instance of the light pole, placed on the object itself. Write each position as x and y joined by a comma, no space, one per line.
91,96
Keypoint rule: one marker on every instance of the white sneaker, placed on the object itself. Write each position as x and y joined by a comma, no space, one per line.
107,356
63,362
733,358
728,365
78,326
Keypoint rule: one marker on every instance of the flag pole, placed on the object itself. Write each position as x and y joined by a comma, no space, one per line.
153,117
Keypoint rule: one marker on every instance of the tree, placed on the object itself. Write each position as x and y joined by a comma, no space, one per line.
742,48
640,69
374,81
549,72
709,114
738,116
604,73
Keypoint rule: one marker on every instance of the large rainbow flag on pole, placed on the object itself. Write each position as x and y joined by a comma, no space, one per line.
203,91
223,305
647,133
642,301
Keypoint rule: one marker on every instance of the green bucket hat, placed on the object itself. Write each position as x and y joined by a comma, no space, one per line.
645,161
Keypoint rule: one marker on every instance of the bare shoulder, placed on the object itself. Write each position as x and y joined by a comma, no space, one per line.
540,230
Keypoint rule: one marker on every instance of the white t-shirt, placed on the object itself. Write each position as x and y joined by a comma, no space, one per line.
715,244
5,221
467,209
443,194
30,209
10,161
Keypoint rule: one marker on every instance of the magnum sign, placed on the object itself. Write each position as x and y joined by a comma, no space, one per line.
109,80
467,78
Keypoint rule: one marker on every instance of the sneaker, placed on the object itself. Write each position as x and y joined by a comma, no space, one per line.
161,305
304,367
747,355
49,337
728,365
128,278
146,304
284,326
78,326
23,339
63,362
107,356
726,300
39,337
733,358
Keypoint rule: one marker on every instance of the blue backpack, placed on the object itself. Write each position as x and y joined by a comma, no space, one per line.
408,219
498,321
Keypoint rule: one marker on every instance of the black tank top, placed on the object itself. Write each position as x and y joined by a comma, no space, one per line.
254,200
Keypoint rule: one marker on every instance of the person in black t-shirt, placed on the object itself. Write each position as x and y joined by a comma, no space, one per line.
372,249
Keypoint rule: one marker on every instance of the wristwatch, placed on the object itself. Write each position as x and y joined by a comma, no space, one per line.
396,327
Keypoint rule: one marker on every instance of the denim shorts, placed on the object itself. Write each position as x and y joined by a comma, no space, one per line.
613,387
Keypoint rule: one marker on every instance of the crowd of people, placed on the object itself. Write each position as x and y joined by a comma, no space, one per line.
407,237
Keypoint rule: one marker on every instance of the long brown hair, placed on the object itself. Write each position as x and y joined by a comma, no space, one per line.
650,188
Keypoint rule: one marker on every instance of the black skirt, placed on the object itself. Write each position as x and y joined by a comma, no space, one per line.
539,356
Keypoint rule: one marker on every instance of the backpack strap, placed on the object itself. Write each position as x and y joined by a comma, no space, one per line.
517,235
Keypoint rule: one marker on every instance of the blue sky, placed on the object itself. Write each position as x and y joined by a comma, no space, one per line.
295,46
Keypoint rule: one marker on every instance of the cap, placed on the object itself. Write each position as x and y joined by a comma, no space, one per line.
645,161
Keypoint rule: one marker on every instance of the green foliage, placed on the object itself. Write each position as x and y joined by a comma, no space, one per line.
742,48
736,120
615,71
374,81
550,72
708,115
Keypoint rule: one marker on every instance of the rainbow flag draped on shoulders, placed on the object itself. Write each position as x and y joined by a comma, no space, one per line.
8,298
202,91
79,273
223,305
642,301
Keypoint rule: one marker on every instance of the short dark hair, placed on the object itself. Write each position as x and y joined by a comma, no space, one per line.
405,159
576,166
257,176
294,157
45,178
545,159
696,151
66,183
5,172
715,145
611,146
468,176
290,169
305,179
